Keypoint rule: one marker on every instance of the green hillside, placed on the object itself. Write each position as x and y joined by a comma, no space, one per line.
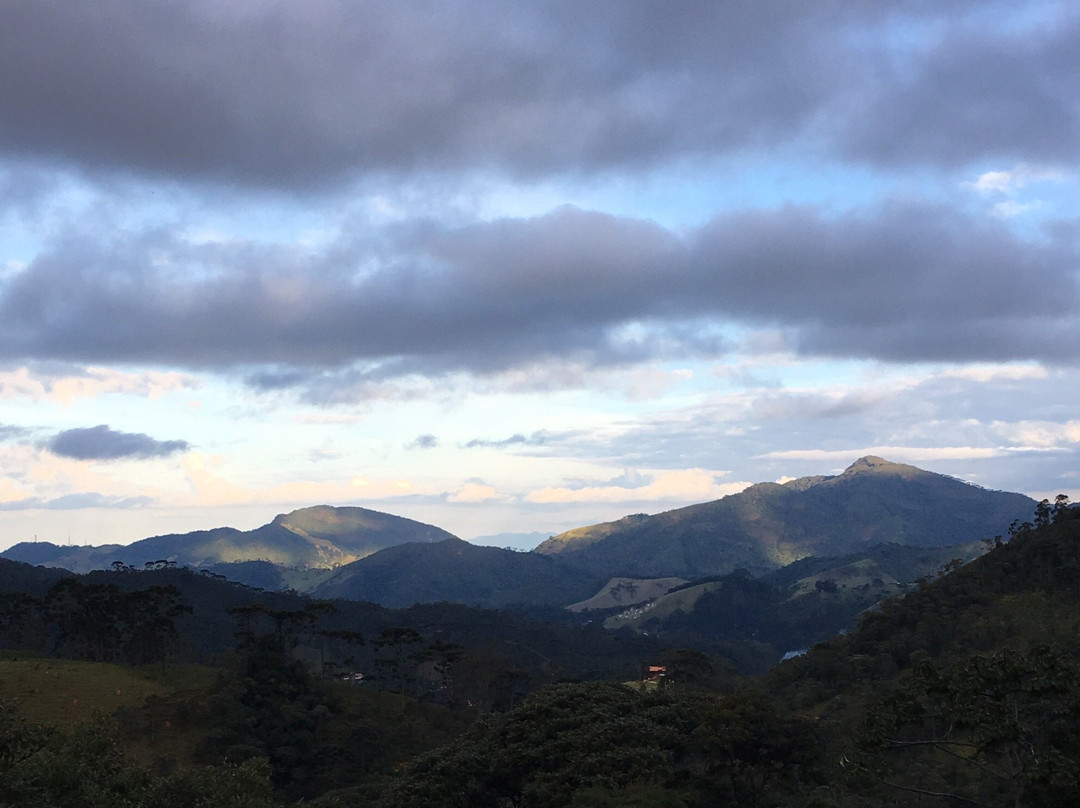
968,687
792,608
622,592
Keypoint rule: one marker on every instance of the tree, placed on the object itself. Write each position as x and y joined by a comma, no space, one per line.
752,752
84,768
605,744
1061,507
398,655
444,655
997,730
149,622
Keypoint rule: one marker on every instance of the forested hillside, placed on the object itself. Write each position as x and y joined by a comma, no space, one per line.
964,692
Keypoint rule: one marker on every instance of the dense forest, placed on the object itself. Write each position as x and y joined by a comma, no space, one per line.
962,692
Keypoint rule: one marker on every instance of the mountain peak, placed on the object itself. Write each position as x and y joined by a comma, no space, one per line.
873,463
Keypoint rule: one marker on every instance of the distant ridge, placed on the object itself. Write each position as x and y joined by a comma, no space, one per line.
769,525
459,572
321,536
358,553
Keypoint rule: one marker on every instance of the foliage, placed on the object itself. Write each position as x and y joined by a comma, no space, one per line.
1022,594
578,745
992,730
98,622
85,768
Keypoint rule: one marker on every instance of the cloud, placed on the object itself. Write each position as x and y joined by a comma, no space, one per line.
997,373
899,454
474,492
1010,208
206,475
897,281
916,415
75,502
328,418
426,441
284,94
686,485
977,91
9,432
1040,434
102,443
67,383
1009,182
539,438
825,404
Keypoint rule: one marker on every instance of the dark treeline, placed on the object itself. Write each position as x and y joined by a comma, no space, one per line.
95,622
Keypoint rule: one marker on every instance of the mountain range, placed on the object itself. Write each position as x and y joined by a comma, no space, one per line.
770,525
355,553
965,691
319,537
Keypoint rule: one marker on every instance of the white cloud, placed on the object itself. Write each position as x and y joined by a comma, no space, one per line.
328,418
212,488
1001,372
904,454
1039,434
1010,181
1011,208
685,485
90,383
474,492
34,474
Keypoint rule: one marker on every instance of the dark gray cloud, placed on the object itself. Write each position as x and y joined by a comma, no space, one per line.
300,94
907,281
1010,94
102,443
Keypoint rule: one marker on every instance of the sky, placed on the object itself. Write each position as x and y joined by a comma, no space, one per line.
518,267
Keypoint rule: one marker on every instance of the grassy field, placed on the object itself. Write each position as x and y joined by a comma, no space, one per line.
67,692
